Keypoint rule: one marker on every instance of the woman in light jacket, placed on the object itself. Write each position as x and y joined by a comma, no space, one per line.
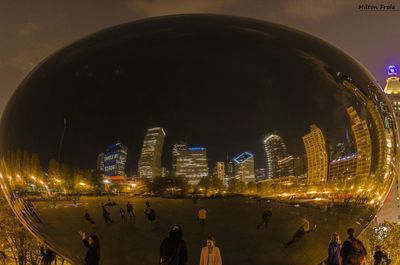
210,254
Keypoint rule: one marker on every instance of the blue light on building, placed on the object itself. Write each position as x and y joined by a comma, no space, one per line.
392,70
196,149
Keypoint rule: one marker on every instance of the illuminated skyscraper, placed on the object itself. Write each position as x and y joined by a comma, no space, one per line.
392,89
286,166
100,162
220,168
192,163
176,149
275,150
343,168
115,160
244,167
150,158
317,156
362,138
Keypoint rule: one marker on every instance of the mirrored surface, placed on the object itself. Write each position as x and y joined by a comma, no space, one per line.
243,118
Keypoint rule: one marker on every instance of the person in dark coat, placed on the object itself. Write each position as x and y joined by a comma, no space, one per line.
129,209
106,215
265,216
300,232
380,257
353,251
48,256
173,249
88,217
93,253
334,250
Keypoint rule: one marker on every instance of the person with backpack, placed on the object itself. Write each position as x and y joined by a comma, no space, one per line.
173,249
353,251
380,257
334,250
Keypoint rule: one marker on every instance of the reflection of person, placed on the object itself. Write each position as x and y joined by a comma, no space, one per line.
334,250
380,257
48,256
106,215
147,204
150,214
129,209
353,251
88,217
122,213
303,229
93,245
210,254
173,250
202,215
266,214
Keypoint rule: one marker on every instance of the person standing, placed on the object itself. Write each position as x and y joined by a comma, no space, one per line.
48,256
210,254
202,215
129,209
173,249
353,251
122,213
334,250
106,215
93,245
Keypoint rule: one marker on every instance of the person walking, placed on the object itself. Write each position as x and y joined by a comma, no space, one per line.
334,250
93,249
129,209
300,232
122,213
210,254
88,217
202,215
106,214
173,249
353,251
150,214
265,216
147,204
380,257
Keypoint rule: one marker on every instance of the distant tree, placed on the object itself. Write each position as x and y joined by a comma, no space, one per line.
236,185
251,187
36,167
211,183
169,185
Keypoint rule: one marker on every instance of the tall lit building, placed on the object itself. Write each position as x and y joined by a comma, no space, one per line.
260,174
275,150
220,168
391,208
244,167
317,156
286,166
150,158
115,160
176,149
392,89
342,169
192,163
100,162
362,138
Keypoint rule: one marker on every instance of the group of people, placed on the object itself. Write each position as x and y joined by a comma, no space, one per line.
352,251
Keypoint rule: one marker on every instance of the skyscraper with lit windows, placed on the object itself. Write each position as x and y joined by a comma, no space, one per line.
149,165
192,164
114,161
220,168
244,167
275,150
176,149
362,138
317,156
392,89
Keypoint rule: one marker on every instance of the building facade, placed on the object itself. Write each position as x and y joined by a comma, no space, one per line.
275,150
149,165
192,164
220,170
317,156
244,167
115,160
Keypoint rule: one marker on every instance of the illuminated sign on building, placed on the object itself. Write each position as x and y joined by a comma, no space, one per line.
392,70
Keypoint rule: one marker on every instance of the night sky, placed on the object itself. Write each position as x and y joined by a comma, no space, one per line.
32,30
215,81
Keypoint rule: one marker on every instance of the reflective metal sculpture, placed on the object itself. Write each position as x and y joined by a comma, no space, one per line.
228,114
